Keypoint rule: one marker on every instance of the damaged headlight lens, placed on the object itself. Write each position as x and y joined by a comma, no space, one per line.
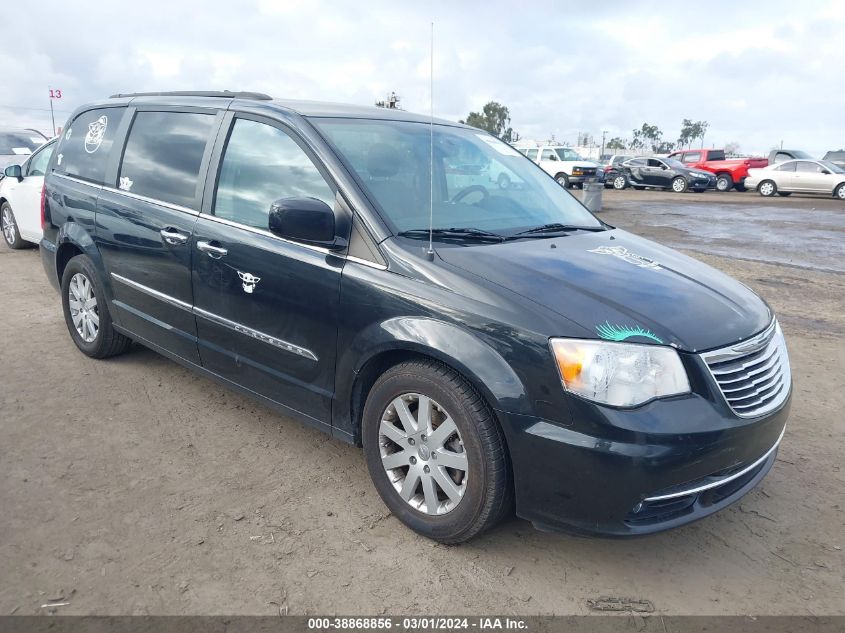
619,374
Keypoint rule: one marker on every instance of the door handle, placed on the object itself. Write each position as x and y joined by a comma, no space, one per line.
172,236
215,252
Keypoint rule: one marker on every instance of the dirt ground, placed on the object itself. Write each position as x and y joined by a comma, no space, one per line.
133,486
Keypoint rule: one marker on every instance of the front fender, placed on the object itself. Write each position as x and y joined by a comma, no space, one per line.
459,348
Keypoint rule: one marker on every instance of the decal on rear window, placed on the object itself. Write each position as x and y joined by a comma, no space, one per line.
96,132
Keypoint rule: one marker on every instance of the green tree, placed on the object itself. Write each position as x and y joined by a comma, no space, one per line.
494,118
648,136
692,130
617,143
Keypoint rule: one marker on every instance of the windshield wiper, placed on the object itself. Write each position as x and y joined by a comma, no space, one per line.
556,227
463,233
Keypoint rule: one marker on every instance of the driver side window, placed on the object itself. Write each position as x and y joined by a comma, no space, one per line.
38,163
260,165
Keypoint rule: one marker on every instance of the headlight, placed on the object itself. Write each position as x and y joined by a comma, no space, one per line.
619,374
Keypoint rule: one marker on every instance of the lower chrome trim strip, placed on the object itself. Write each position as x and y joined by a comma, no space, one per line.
152,292
260,336
716,484
216,318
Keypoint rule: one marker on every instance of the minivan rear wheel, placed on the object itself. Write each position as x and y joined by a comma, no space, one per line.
435,452
86,313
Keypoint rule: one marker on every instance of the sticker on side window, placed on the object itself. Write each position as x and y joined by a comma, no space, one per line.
499,146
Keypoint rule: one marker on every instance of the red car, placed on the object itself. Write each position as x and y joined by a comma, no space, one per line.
730,173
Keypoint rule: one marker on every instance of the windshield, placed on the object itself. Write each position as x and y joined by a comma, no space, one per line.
479,182
20,143
835,156
832,167
564,153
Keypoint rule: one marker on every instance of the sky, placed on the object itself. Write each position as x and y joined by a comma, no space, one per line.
760,73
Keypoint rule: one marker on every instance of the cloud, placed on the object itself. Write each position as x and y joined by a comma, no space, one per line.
766,73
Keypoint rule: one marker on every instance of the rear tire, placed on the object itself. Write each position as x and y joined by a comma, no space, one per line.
620,182
724,182
767,188
11,235
402,448
679,184
563,180
86,313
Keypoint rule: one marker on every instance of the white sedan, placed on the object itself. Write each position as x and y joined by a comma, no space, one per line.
20,198
798,176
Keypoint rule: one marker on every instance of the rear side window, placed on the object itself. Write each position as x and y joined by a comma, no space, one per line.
86,144
262,164
790,166
163,156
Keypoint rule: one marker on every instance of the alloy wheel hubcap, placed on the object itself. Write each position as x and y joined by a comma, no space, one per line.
721,184
842,192
83,307
766,189
423,454
678,186
619,182
8,226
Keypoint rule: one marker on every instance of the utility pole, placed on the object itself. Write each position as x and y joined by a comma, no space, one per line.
52,116
603,135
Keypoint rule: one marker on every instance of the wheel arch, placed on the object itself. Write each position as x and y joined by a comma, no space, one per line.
73,240
402,339
835,188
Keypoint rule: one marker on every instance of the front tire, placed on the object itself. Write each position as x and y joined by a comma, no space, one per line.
785,194
724,182
679,184
620,182
562,180
839,192
435,452
86,313
10,228
767,188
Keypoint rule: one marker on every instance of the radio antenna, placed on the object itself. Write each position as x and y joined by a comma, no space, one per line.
430,252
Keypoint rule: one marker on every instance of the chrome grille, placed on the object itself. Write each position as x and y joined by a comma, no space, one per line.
754,376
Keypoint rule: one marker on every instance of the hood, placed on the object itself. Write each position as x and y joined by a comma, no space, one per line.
11,159
621,287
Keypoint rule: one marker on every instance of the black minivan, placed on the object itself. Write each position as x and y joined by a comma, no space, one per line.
359,269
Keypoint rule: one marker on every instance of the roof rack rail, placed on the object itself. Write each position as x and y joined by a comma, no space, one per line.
257,96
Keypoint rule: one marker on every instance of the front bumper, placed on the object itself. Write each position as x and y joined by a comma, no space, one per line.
635,472
702,183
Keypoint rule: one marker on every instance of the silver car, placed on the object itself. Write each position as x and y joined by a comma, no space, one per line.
798,176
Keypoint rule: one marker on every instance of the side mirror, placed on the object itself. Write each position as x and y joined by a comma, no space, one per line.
14,171
307,220
826,172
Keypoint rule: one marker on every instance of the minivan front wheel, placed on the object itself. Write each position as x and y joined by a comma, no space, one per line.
86,313
435,452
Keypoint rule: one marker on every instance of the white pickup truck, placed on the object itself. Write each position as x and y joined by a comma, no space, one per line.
563,164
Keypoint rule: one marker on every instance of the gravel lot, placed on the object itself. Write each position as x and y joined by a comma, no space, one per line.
133,486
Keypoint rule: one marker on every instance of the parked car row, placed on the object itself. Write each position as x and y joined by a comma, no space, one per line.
20,186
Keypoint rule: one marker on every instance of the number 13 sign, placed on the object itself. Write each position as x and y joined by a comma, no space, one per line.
55,93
